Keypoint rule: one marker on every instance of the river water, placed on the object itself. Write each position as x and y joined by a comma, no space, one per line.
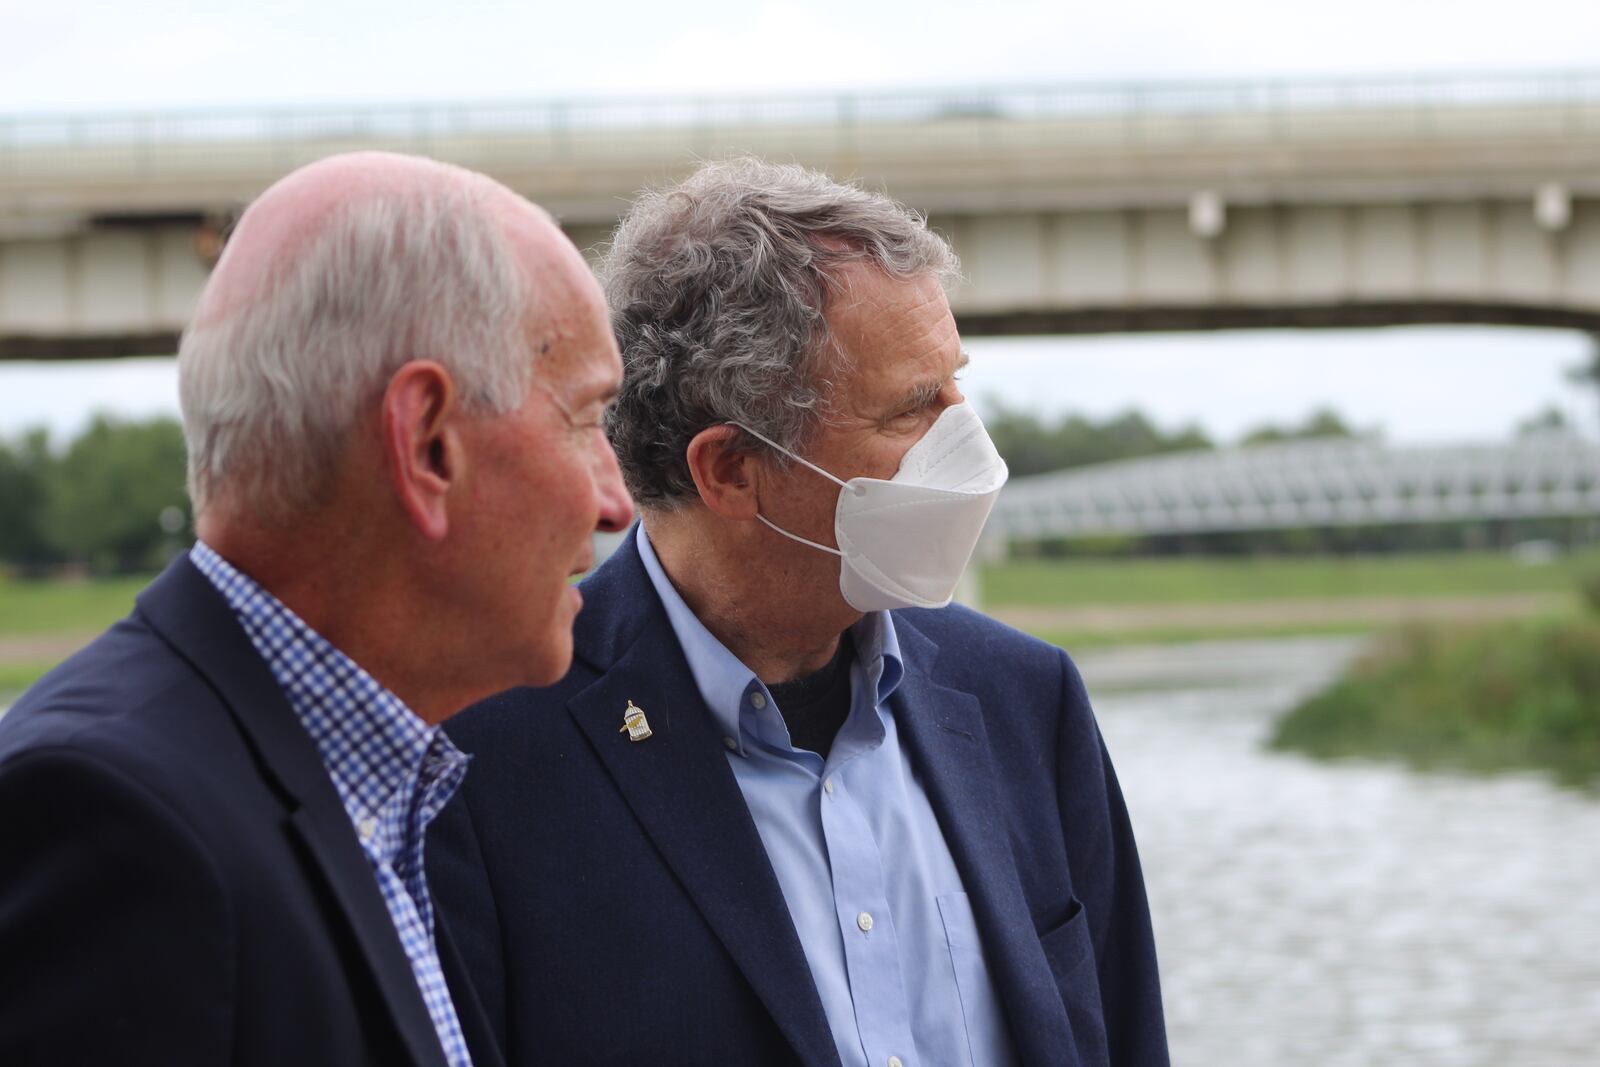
1350,913
1333,915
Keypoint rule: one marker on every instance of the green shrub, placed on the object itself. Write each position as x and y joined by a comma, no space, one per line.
1523,695
1589,586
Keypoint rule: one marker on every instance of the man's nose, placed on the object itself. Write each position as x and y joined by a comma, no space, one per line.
616,507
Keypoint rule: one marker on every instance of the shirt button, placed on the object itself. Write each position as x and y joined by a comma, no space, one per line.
827,786
733,746
758,700
864,921
367,827
894,1061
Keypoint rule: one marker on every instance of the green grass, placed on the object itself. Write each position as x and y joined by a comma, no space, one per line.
29,608
1515,695
1078,640
1079,582
46,606
15,677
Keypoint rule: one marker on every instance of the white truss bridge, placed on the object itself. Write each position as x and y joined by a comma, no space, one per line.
1319,483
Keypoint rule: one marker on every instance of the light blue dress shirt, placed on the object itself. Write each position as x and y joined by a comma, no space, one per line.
871,886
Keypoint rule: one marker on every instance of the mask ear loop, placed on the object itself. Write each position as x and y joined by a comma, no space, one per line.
796,537
798,459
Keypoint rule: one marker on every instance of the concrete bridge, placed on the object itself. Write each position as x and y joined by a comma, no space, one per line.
1304,484
1075,208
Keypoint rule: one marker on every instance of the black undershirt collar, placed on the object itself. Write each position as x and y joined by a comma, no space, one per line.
816,706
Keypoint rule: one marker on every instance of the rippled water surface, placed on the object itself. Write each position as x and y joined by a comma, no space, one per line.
1350,913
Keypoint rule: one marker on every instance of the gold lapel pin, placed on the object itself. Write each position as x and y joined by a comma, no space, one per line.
634,722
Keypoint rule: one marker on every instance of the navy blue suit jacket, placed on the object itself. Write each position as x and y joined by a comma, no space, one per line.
614,904
179,882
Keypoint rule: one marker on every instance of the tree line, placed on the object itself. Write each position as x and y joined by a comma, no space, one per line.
112,500
1032,444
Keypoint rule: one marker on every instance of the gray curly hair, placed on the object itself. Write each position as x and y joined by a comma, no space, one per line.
718,287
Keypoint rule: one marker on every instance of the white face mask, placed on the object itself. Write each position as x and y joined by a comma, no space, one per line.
903,543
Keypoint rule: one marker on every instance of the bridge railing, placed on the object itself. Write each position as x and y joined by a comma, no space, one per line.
1124,114
1320,483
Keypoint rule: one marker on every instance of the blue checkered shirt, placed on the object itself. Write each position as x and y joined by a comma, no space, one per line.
393,772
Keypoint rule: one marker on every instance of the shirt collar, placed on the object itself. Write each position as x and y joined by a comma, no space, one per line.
393,772
726,684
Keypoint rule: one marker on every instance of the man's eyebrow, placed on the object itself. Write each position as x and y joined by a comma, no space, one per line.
924,393
919,396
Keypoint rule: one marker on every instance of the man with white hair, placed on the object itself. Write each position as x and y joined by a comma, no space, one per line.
211,849
788,807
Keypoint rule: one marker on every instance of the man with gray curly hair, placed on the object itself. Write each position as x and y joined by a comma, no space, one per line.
212,849
788,806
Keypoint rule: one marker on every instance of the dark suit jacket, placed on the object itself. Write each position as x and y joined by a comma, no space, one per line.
179,882
614,903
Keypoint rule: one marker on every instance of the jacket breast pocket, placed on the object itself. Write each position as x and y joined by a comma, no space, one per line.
1069,948
1068,945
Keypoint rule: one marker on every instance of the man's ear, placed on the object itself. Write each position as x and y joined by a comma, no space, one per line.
422,444
726,475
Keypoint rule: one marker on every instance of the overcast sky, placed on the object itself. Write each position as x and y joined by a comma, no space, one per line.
194,52
1419,384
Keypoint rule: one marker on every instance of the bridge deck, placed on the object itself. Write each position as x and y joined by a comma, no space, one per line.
1073,208
949,151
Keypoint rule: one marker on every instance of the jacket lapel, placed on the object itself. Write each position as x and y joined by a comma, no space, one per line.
681,789
482,1044
186,609
944,731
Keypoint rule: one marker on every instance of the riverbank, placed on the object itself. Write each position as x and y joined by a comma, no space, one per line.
1520,695
1316,913
1095,626
1089,581
1079,603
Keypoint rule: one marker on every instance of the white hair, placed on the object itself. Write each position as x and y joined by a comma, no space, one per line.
271,388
